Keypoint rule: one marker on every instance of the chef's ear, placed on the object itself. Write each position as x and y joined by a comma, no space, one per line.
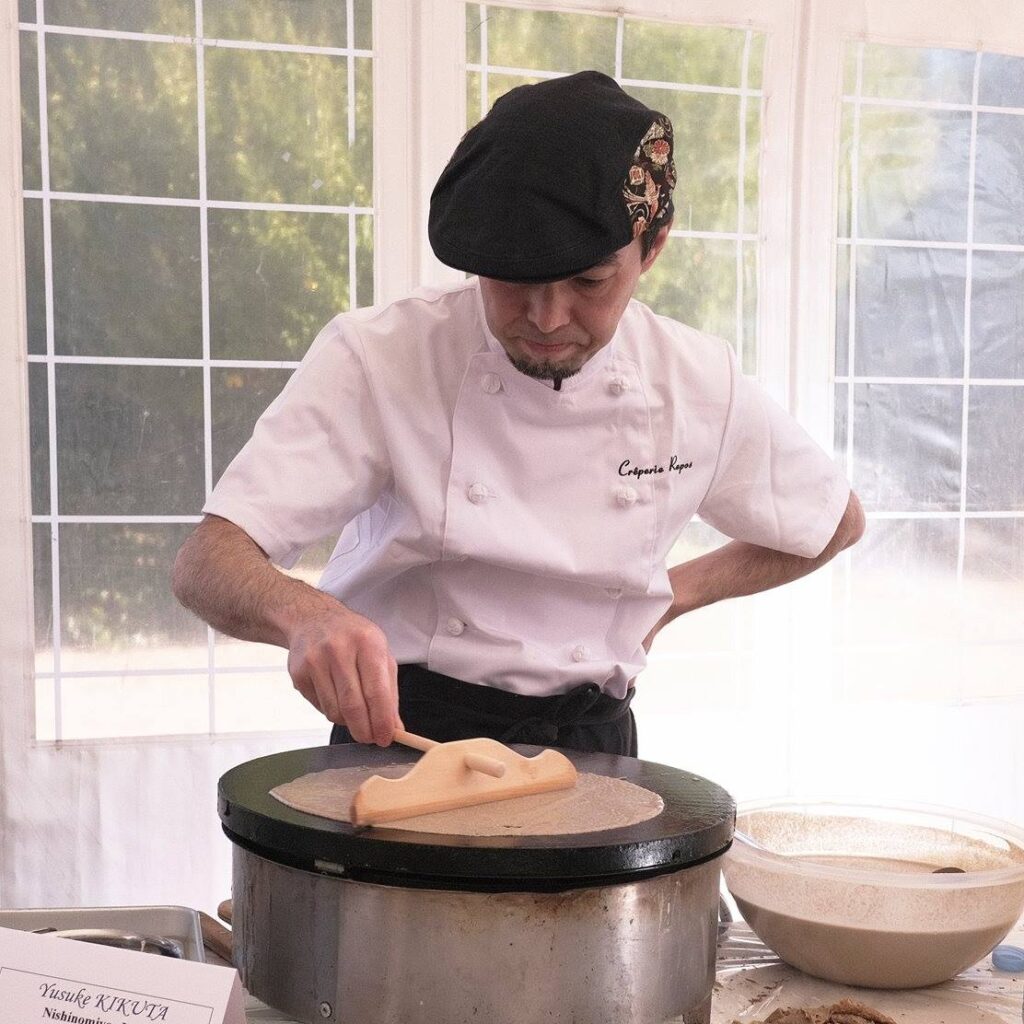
656,246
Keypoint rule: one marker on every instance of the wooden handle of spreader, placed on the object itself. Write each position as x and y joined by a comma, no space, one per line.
410,739
477,762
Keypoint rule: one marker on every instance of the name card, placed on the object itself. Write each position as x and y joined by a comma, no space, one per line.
44,978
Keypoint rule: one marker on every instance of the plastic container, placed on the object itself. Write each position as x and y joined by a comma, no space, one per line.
178,923
848,893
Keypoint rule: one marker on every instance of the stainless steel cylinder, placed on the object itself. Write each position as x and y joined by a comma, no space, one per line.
322,948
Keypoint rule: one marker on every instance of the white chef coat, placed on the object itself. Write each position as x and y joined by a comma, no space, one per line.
500,531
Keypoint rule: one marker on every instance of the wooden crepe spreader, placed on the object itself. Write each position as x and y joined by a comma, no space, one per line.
459,774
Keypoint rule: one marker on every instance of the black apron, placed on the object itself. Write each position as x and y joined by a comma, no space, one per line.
442,708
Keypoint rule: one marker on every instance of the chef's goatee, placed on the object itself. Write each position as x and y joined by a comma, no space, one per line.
557,177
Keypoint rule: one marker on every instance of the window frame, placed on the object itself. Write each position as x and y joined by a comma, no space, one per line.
832,24
419,116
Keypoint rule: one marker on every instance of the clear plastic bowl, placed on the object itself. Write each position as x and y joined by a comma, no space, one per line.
848,892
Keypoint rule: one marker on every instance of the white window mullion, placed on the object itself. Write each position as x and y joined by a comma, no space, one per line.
740,193
41,518
51,373
350,71
395,180
439,110
213,204
485,64
198,40
620,27
353,276
204,276
851,328
969,272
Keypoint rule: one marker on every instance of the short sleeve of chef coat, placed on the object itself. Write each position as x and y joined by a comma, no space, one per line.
773,485
317,456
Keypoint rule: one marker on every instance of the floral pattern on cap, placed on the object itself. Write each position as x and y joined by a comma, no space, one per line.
647,190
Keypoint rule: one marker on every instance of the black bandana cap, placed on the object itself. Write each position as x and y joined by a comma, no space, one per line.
558,176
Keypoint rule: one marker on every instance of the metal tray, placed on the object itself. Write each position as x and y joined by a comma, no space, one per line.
179,923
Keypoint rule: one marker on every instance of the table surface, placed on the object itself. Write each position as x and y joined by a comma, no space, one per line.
750,992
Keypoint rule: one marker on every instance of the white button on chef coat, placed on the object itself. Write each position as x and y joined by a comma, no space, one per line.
388,430
580,653
455,627
491,383
626,496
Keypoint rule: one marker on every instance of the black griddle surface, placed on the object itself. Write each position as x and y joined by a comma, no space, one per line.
696,825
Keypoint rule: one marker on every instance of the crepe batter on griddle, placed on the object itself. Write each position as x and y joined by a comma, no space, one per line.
596,803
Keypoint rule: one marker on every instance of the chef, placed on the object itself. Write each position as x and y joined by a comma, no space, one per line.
507,462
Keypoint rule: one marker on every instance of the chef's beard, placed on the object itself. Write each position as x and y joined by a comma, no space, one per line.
542,369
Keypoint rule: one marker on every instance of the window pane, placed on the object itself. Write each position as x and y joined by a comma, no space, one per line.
755,68
997,314
277,128
843,368
906,441
548,41
116,606
995,463
238,398
129,440
844,220
999,179
476,15
35,277
263,701
363,20
275,280
752,167
39,437
913,174
707,143
687,54
26,10
694,281
995,552
46,710
105,92
1001,81
842,408
497,85
994,583
364,261
903,582
42,568
910,312
134,706
126,280
747,345
907,73
304,22
165,17
31,166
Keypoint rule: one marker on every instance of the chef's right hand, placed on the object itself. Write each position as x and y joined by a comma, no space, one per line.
340,662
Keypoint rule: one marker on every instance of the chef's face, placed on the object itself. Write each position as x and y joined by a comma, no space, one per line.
550,330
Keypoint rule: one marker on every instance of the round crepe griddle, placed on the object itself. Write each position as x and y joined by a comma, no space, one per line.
695,825
595,803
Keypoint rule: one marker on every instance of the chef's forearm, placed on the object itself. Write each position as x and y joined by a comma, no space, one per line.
738,568
223,576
